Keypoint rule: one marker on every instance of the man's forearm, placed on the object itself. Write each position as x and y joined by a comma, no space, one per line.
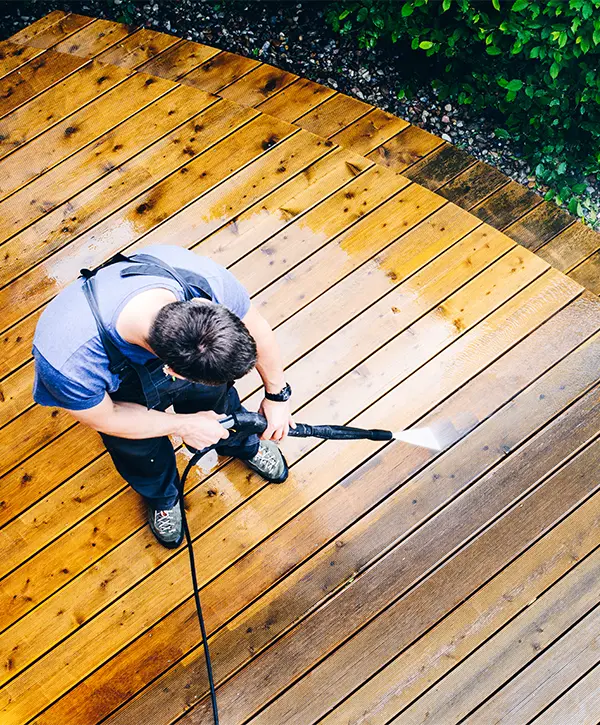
269,362
130,420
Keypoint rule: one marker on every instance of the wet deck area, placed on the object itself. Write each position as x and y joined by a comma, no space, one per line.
407,283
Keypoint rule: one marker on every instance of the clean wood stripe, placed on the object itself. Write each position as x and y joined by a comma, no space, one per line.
13,56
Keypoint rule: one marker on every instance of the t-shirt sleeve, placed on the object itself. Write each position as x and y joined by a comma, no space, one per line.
54,389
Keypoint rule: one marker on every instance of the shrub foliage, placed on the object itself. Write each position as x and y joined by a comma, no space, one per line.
535,62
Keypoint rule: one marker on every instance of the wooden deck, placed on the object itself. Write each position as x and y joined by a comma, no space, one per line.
380,584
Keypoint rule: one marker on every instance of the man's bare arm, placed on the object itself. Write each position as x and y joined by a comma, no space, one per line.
130,420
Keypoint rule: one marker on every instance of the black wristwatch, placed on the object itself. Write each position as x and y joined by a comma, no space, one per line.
284,394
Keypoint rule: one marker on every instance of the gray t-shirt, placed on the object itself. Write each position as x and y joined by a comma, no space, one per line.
71,365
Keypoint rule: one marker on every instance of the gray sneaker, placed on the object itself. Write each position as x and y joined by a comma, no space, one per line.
166,525
269,462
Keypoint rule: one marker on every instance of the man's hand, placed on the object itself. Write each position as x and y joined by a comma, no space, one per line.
201,430
279,419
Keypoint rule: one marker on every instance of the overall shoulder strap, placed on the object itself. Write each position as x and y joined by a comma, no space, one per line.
118,363
89,273
146,264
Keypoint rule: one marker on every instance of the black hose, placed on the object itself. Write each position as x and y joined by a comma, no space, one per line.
188,538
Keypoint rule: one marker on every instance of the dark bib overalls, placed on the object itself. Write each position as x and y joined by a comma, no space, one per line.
149,465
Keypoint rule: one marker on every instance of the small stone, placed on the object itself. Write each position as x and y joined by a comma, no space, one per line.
445,137
445,119
447,107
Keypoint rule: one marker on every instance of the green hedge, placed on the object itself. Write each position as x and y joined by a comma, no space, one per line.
537,63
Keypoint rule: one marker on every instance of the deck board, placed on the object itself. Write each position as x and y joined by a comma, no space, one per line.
392,305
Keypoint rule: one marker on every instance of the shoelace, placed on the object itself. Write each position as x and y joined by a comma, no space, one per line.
265,457
164,521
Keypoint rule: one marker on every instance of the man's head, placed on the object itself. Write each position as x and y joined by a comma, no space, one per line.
202,341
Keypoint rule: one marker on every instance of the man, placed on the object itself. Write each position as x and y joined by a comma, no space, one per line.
122,344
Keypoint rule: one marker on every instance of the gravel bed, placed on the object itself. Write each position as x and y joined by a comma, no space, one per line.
295,36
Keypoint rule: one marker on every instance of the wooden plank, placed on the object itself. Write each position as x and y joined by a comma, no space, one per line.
137,48
439,167
108,152
13,56
85,126
46,470
36,76
588,273
58,102
258,85
219,71
93,696
94,38
50,30
578,706
16,344
333,115
538,226
369,132
554,671
405,149
400,577
472,186
510,592
275,513
460,691
296,100
571,247
108,194
38,26
178,60
510,202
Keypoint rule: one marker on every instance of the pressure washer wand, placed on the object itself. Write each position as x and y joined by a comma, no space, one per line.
436,436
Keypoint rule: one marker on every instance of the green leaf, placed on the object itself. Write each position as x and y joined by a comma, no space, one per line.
515,85
446,5
492,50
407,9
596,36
501,133
554,70
519,5
496,4
362,15
344,14
425,44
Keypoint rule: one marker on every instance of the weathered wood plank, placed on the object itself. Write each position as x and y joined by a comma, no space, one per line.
405,149
137,48
90,698
94,38
439,167
460,691
13,56
333,115
178,60
510,592
571,247
51,29
588,273
219,71
258,85
296,100
578,706
36,76
502,207
554,671
145,121
58,102
534,229
472,186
